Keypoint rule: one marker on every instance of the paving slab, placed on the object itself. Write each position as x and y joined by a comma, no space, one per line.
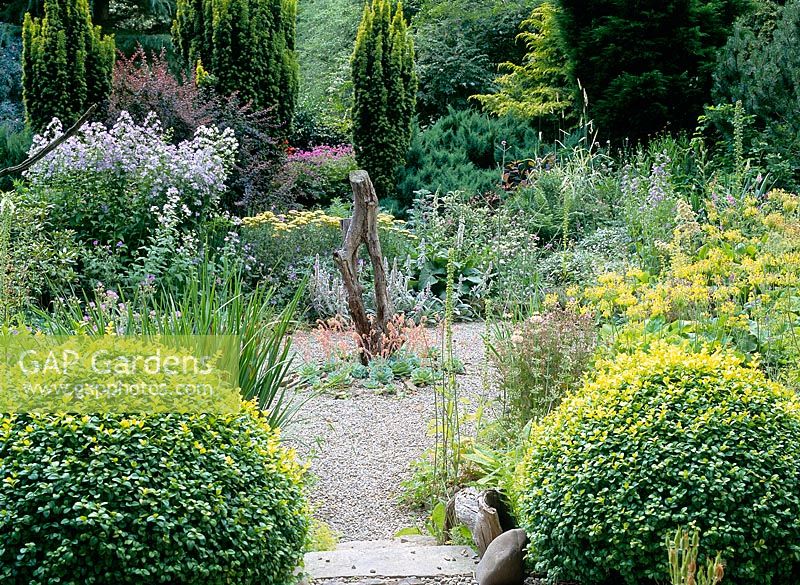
404,560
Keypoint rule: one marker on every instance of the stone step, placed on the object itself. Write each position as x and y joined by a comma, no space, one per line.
392,560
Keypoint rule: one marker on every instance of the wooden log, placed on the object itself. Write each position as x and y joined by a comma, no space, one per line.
482,512
363,229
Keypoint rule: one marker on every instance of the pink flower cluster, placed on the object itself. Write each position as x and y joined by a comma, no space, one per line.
321,154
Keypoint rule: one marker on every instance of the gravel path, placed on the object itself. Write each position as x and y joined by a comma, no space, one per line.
440,580
360,447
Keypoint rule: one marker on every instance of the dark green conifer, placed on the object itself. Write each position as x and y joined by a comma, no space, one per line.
645,65
384,93
66,63
247,46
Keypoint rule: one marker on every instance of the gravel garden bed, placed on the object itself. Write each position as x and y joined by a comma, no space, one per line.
360,447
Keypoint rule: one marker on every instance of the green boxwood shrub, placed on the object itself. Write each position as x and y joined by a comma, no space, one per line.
654,441
179,499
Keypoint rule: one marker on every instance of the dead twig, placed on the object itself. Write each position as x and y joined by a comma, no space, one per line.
32,160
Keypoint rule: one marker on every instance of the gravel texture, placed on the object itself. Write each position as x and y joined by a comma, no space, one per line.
360,447
442,580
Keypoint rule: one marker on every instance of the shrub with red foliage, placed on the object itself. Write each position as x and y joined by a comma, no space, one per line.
260,158
144,84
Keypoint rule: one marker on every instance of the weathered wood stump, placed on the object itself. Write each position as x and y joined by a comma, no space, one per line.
363,229
484,513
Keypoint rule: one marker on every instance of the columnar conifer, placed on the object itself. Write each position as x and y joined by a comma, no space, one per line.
384,88
66,63
247,46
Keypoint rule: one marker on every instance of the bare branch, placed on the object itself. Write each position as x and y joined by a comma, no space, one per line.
52,146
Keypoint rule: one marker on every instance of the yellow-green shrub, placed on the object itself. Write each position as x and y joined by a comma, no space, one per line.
168,498
654,441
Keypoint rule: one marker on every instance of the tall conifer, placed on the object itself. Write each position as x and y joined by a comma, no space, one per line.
66,63
247,46
384,88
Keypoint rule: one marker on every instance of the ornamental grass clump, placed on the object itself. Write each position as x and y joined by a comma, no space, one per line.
654,441
167,498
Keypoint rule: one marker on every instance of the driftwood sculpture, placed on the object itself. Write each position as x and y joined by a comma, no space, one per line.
363,229
484,513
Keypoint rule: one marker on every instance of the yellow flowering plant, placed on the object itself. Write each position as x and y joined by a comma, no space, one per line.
304,219
734,281
285,246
